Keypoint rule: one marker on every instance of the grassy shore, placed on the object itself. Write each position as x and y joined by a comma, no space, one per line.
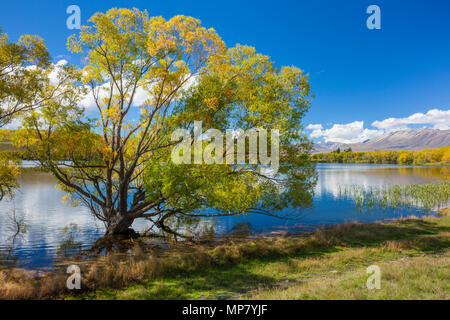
413,255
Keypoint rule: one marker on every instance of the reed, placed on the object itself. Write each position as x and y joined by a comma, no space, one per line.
428,197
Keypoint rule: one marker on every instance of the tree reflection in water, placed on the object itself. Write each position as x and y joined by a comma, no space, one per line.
16,226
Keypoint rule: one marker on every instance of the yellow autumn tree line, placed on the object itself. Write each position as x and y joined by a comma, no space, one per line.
425,156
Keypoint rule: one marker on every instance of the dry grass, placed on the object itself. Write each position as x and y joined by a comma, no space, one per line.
444,212
20,284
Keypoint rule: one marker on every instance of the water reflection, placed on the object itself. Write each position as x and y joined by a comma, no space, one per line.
17,228
334,175
54,229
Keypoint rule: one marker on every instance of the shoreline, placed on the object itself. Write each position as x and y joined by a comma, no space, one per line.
142,270
421,165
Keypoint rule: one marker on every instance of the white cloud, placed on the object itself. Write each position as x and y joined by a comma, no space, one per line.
355,132
140,97
53,77
54,74
343,133
12,125
314,127
438,119
88,101
102,91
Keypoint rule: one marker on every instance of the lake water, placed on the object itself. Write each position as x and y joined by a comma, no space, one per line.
38,204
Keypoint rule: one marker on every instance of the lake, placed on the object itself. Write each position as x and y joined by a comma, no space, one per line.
38,205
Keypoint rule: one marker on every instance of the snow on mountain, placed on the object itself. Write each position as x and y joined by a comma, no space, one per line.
398,140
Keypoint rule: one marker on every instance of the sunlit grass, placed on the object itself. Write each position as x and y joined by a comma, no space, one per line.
422,277
337,252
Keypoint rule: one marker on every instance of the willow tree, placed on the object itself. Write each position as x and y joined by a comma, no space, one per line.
148,77
24,74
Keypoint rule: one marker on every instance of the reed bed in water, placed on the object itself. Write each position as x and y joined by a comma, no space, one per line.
426,196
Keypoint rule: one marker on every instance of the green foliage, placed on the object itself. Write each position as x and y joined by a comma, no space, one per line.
24,70
121,168
243,91
23,73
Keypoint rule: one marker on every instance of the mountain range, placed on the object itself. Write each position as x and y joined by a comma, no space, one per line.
399,140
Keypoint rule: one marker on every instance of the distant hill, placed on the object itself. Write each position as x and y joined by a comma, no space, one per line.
399,140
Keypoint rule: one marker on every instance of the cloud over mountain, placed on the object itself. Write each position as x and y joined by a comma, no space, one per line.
397,140
438,119
343,133
355,131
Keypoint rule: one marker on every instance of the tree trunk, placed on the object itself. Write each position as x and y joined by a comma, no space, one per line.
120,225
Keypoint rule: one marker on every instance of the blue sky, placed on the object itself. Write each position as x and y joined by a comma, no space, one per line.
358,75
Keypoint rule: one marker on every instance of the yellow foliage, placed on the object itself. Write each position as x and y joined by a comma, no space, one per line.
425,156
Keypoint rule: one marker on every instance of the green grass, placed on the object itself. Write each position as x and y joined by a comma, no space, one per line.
435,164
413,256
424,276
